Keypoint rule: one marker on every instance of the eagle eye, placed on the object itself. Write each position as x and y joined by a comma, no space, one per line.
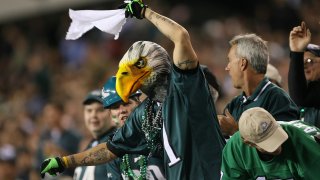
141,63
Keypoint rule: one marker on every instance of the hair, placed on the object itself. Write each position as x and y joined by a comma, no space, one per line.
254,49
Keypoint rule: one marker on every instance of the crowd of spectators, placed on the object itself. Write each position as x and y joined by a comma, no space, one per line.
39,67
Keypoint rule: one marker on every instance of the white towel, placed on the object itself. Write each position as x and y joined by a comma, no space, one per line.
109,21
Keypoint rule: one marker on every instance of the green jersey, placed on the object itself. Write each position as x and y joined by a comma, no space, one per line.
299,159
191,136
268,96
109,171
131,166
130,139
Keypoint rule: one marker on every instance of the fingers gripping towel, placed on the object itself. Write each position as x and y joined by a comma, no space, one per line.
109,21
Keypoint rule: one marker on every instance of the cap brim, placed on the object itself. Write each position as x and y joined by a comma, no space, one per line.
273,142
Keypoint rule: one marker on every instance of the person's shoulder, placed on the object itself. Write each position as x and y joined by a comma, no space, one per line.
234,140
176,70
298,125
275,91
236,100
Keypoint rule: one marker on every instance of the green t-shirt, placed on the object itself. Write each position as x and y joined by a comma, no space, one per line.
191,138
299,159
268,96
109,170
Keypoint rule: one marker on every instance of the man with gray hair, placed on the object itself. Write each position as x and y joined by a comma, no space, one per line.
247,65
268,149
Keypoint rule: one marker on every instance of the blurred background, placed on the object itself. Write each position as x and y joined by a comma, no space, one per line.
44,77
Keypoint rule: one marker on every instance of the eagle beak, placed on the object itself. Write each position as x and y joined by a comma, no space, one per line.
129,80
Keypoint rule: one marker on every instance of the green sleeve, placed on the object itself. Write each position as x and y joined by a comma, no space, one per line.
231,165
307,151
130,139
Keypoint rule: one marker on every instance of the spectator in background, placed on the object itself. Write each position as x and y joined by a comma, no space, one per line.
304,74
98,121
273,75
55,139
7,162
248,59
264,149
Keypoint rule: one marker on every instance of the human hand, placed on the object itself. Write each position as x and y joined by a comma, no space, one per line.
227,124
134,8
300,37
52,166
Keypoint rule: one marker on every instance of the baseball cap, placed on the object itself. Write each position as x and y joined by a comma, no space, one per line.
259,127
110,95
93,96
273,73
314,49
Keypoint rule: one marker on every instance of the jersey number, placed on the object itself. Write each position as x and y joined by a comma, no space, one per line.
172,157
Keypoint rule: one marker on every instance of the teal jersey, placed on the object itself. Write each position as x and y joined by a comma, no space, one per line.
130,139
100,172
299,159
154,167
268,96
191,136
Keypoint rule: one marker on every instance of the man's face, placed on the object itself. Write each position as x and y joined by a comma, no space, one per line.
97,119
311,66
122,110
234,68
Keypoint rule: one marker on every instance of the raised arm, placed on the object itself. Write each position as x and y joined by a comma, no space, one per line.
184,56
91,157
299,38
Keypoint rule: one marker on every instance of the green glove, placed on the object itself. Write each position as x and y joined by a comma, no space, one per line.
52,166
134,8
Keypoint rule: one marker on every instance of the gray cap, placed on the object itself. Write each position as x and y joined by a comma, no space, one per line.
314,49
93,96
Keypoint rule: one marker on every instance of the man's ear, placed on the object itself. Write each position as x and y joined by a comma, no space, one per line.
244,64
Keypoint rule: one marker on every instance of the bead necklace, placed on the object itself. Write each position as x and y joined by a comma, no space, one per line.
128,172
151,126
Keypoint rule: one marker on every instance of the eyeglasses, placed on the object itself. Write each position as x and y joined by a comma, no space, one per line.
309,61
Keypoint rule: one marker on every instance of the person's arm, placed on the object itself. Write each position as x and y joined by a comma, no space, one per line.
94,156
99,154
299,38
297,83
184,56
232,168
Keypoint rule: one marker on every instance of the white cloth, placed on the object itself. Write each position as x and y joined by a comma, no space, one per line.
109,21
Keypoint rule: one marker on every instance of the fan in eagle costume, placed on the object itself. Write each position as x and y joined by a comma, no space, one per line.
177,121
